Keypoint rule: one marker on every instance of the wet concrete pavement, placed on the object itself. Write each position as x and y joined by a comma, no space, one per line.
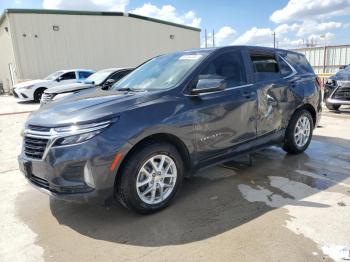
283,208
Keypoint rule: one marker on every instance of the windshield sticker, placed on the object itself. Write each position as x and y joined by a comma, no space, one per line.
190,57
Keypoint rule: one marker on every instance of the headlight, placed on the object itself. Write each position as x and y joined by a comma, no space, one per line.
75,134
76,139
331,82
27,87
58,96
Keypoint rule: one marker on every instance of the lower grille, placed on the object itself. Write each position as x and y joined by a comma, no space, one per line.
39,182
46,97
34,147
342,93
14,93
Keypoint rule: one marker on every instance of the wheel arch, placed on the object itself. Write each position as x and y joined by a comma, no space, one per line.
41,88
311,110
158,137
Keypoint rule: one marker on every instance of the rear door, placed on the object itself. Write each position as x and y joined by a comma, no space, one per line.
225,118
272,92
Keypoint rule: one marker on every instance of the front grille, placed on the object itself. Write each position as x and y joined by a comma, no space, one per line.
39,182
39,128
342,93
46,97
35,147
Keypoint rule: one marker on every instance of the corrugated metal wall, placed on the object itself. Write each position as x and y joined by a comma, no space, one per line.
7,58
336,56
90,41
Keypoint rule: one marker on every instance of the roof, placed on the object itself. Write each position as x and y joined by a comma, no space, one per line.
246,47
95,13
116,69
75,69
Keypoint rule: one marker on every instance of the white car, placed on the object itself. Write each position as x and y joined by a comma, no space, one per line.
33,89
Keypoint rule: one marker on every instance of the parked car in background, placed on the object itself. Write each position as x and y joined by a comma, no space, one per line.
33,89
103,79
337,89
170,117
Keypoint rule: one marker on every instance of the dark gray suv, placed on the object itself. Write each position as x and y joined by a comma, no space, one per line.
171,116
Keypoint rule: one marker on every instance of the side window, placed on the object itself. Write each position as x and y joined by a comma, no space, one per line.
68,76
227,66
284,68
119,75
265,66
84,74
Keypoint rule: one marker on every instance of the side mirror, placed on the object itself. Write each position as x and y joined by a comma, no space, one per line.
108,84
342,67
209,85
59,79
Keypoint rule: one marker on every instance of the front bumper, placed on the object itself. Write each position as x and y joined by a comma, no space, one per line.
78,173
337,101
337,95
22,94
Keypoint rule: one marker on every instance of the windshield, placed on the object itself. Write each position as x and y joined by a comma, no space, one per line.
161,72
54,76
98,77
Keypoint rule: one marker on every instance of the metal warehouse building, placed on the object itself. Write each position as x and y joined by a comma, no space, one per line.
327,59
35,43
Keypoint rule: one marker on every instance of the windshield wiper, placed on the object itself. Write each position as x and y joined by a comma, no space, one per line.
128,89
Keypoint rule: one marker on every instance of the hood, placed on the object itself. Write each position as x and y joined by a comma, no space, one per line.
67,88
342,75
29,83
89,105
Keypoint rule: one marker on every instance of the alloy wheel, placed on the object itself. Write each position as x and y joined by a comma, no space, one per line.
156,179
302,131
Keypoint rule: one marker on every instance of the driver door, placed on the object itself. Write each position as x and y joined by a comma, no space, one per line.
224,119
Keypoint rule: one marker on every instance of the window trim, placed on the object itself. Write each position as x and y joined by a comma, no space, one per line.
294,71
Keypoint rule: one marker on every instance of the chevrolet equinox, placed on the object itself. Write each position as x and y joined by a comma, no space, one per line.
173,115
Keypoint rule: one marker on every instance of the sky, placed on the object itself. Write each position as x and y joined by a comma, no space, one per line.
295,22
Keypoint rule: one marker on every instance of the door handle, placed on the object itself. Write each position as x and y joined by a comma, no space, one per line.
248,94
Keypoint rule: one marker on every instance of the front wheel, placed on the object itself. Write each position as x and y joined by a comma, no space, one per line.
332,106
150,178
299,132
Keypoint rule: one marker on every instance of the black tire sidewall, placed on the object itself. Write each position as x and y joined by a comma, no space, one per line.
127,187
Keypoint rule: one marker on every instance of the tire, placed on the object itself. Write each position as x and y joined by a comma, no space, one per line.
294,143
138,169
38,93
332,106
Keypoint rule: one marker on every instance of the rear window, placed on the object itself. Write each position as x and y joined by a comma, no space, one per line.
299,62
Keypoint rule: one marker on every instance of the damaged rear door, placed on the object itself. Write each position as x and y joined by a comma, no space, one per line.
273,92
